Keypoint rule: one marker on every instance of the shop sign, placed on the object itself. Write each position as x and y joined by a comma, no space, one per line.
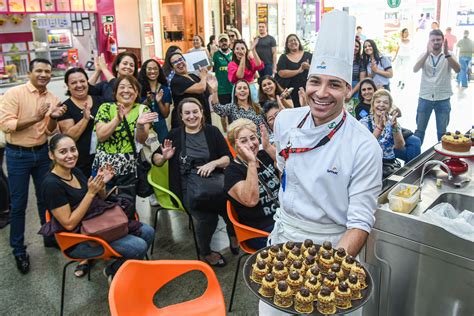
393,3
108,19
51,21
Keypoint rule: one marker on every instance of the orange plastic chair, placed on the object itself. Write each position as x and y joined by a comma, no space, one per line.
243,233
67,240
232,151
136,282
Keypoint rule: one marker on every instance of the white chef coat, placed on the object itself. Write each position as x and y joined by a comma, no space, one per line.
329,189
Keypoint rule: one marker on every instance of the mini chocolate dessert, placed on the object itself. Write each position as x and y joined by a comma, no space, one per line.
265,256
288,246
331,281
280,272
343,296
309,262
295,281
339,255
308,243
283,295
347,264
326,246
314,271
274,249
259,271
336,268
312,251
354,285
298,266
304,301
325,261
313,285
281,257
361,275
268,286
326,301
295,254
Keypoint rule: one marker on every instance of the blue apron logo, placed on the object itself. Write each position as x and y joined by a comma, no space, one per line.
321,66
333,170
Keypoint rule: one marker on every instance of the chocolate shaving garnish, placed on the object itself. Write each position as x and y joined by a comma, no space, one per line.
353,278
261,264
350,259
326,254
304,291
309,260
308,243
294,275
336,267
341,252
343,286
279,265
325,291
327,245
269,277
297,264
282,286
331,276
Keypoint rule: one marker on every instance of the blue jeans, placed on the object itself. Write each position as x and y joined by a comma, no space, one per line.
267,70
412,149
442,108
21,164
462,76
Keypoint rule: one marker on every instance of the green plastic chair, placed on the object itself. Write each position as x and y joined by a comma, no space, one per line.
159,180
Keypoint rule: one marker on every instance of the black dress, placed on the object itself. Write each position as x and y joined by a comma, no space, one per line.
178,85
83,144
297,81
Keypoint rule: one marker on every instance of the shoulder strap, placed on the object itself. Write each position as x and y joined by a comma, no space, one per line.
130,137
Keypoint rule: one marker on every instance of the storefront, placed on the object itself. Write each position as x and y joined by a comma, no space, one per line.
66,32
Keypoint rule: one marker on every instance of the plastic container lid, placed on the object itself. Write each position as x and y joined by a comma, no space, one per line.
403,198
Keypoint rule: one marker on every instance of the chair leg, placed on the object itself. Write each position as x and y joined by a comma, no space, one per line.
235,281
63,286
89,271
194,236
154,227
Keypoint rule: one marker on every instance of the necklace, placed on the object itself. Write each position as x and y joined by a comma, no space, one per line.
72,177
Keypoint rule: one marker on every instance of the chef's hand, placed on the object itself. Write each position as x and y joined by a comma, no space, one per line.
206,170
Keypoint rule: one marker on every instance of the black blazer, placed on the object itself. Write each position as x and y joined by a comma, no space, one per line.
217,148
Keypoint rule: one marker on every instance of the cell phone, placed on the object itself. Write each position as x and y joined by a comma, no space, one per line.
290,90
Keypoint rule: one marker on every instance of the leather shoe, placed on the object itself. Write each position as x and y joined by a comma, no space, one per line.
23,263
50,243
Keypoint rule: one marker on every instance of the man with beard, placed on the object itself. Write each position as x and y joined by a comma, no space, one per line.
435,86
331,166
221,59
28,115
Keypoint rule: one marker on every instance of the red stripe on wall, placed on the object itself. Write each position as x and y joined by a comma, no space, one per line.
16,37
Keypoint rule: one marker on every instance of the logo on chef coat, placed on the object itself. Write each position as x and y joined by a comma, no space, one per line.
332,125
333,170
322,65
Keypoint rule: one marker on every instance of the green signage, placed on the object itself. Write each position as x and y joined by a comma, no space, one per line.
108,19
394,3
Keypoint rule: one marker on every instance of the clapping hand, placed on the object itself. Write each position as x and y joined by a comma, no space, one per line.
206,170
159,96
147,117
302,97
305,65
86,113
373,66
57,110
96,184
265,138
202,72
445,47
120,111
107,172
212,82
167,149
41,112
254,43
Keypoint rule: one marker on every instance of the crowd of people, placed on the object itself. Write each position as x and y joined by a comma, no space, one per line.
265,100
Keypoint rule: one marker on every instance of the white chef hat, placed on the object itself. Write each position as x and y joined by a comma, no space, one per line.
334,51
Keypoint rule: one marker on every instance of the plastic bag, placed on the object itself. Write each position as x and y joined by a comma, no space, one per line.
454,221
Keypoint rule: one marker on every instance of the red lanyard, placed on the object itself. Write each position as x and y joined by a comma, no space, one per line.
285,153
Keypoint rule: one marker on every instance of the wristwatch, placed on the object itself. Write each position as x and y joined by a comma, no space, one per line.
447,56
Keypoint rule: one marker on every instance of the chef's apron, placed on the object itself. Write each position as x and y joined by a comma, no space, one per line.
290,228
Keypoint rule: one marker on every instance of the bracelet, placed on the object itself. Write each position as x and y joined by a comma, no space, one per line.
395,130
380,129
447,56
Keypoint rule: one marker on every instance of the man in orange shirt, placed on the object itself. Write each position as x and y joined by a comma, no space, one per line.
28,115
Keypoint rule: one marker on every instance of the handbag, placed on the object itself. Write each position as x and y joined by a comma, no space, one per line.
109,226
203,193
143,188
406,133
390,166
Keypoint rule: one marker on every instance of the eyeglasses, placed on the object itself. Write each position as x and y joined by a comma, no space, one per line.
177,61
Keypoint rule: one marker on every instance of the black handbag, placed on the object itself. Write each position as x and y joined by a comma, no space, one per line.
142,187
390,166
406,133
203,193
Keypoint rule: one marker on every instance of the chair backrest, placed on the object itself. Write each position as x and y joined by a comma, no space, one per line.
136,282
243,232
232,151
67,240
158,178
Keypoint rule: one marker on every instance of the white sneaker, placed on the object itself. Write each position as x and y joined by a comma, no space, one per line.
153,201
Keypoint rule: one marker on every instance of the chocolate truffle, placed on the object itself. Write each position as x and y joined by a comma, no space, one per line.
313,280
327,245
261,264
294,275
297,264
325,291
331,276
264,254
296,251
309,260
304,291
336,267
343,287
350,259
269,277
290,244
325,254
308,243
281,256
353,278
279,266
341,252
282,286
312,251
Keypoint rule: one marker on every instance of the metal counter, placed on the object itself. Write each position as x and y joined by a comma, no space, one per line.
419,268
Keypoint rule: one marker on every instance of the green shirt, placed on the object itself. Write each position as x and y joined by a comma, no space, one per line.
221,61
466,47
118,142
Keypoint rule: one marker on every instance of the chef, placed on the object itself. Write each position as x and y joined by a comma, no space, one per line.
331,165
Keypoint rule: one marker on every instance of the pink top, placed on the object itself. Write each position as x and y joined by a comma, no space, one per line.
249,74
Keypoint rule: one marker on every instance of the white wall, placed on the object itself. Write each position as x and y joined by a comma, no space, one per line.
128,23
